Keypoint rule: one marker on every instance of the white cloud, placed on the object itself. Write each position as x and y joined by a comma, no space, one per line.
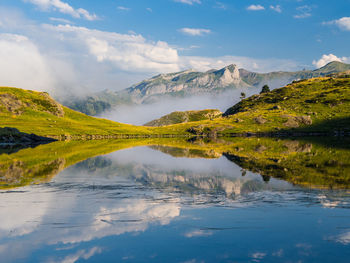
276,8
195,31
22,212
255,8
63,7
303,12
22,65
81,254
343,23
260,65
126,52
325,59
189,2
123,8
66,56
344,238
149,9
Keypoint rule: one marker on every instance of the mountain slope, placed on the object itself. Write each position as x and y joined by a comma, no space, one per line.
184,116
191,83
314,106
36,112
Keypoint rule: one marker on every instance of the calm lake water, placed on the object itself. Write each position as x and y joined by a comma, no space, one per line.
165,204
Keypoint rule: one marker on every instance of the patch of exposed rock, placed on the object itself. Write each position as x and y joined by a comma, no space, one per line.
295,146
12,103
296,121
45,103
260,120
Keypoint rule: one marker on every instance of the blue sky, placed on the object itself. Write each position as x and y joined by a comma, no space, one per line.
125,41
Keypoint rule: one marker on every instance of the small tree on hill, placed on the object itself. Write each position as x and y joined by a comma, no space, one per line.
242,96
265,89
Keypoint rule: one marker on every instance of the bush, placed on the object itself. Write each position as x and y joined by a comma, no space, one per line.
265,89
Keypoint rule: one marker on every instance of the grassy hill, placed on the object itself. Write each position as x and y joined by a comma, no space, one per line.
319,105
36,112
185,116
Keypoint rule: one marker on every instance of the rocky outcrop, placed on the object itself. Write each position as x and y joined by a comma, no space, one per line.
296,121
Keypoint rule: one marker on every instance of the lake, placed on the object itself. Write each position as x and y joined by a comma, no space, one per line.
159,200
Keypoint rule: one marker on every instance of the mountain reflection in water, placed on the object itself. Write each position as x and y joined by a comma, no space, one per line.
238,199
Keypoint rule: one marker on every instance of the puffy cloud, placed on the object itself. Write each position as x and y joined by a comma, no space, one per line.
63,7
260,65
22,64
276,8
344,238
64,59
122,217
195,31
81,254
22,212
343,23
255,8
127,52
325,59
189,2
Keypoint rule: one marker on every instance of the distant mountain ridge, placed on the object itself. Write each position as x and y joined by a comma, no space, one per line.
189,83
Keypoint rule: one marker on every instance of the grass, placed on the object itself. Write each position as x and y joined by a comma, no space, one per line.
314,105
185,116
323,101
33,112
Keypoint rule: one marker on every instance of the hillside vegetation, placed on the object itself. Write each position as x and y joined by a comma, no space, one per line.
319,105
185,116
36,112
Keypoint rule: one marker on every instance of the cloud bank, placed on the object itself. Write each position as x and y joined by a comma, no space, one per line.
343,23
325,59
63,58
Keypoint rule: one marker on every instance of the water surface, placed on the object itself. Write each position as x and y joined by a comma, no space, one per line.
191,202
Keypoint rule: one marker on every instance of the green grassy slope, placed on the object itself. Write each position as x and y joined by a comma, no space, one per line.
315,105
185,116
35,112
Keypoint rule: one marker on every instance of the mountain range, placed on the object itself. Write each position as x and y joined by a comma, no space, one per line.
190,83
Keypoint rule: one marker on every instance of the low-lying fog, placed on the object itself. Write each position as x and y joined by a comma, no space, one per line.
140,114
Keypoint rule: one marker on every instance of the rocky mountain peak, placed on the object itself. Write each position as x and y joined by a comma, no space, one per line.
228,75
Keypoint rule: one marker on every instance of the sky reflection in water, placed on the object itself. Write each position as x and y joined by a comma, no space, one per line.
141,205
